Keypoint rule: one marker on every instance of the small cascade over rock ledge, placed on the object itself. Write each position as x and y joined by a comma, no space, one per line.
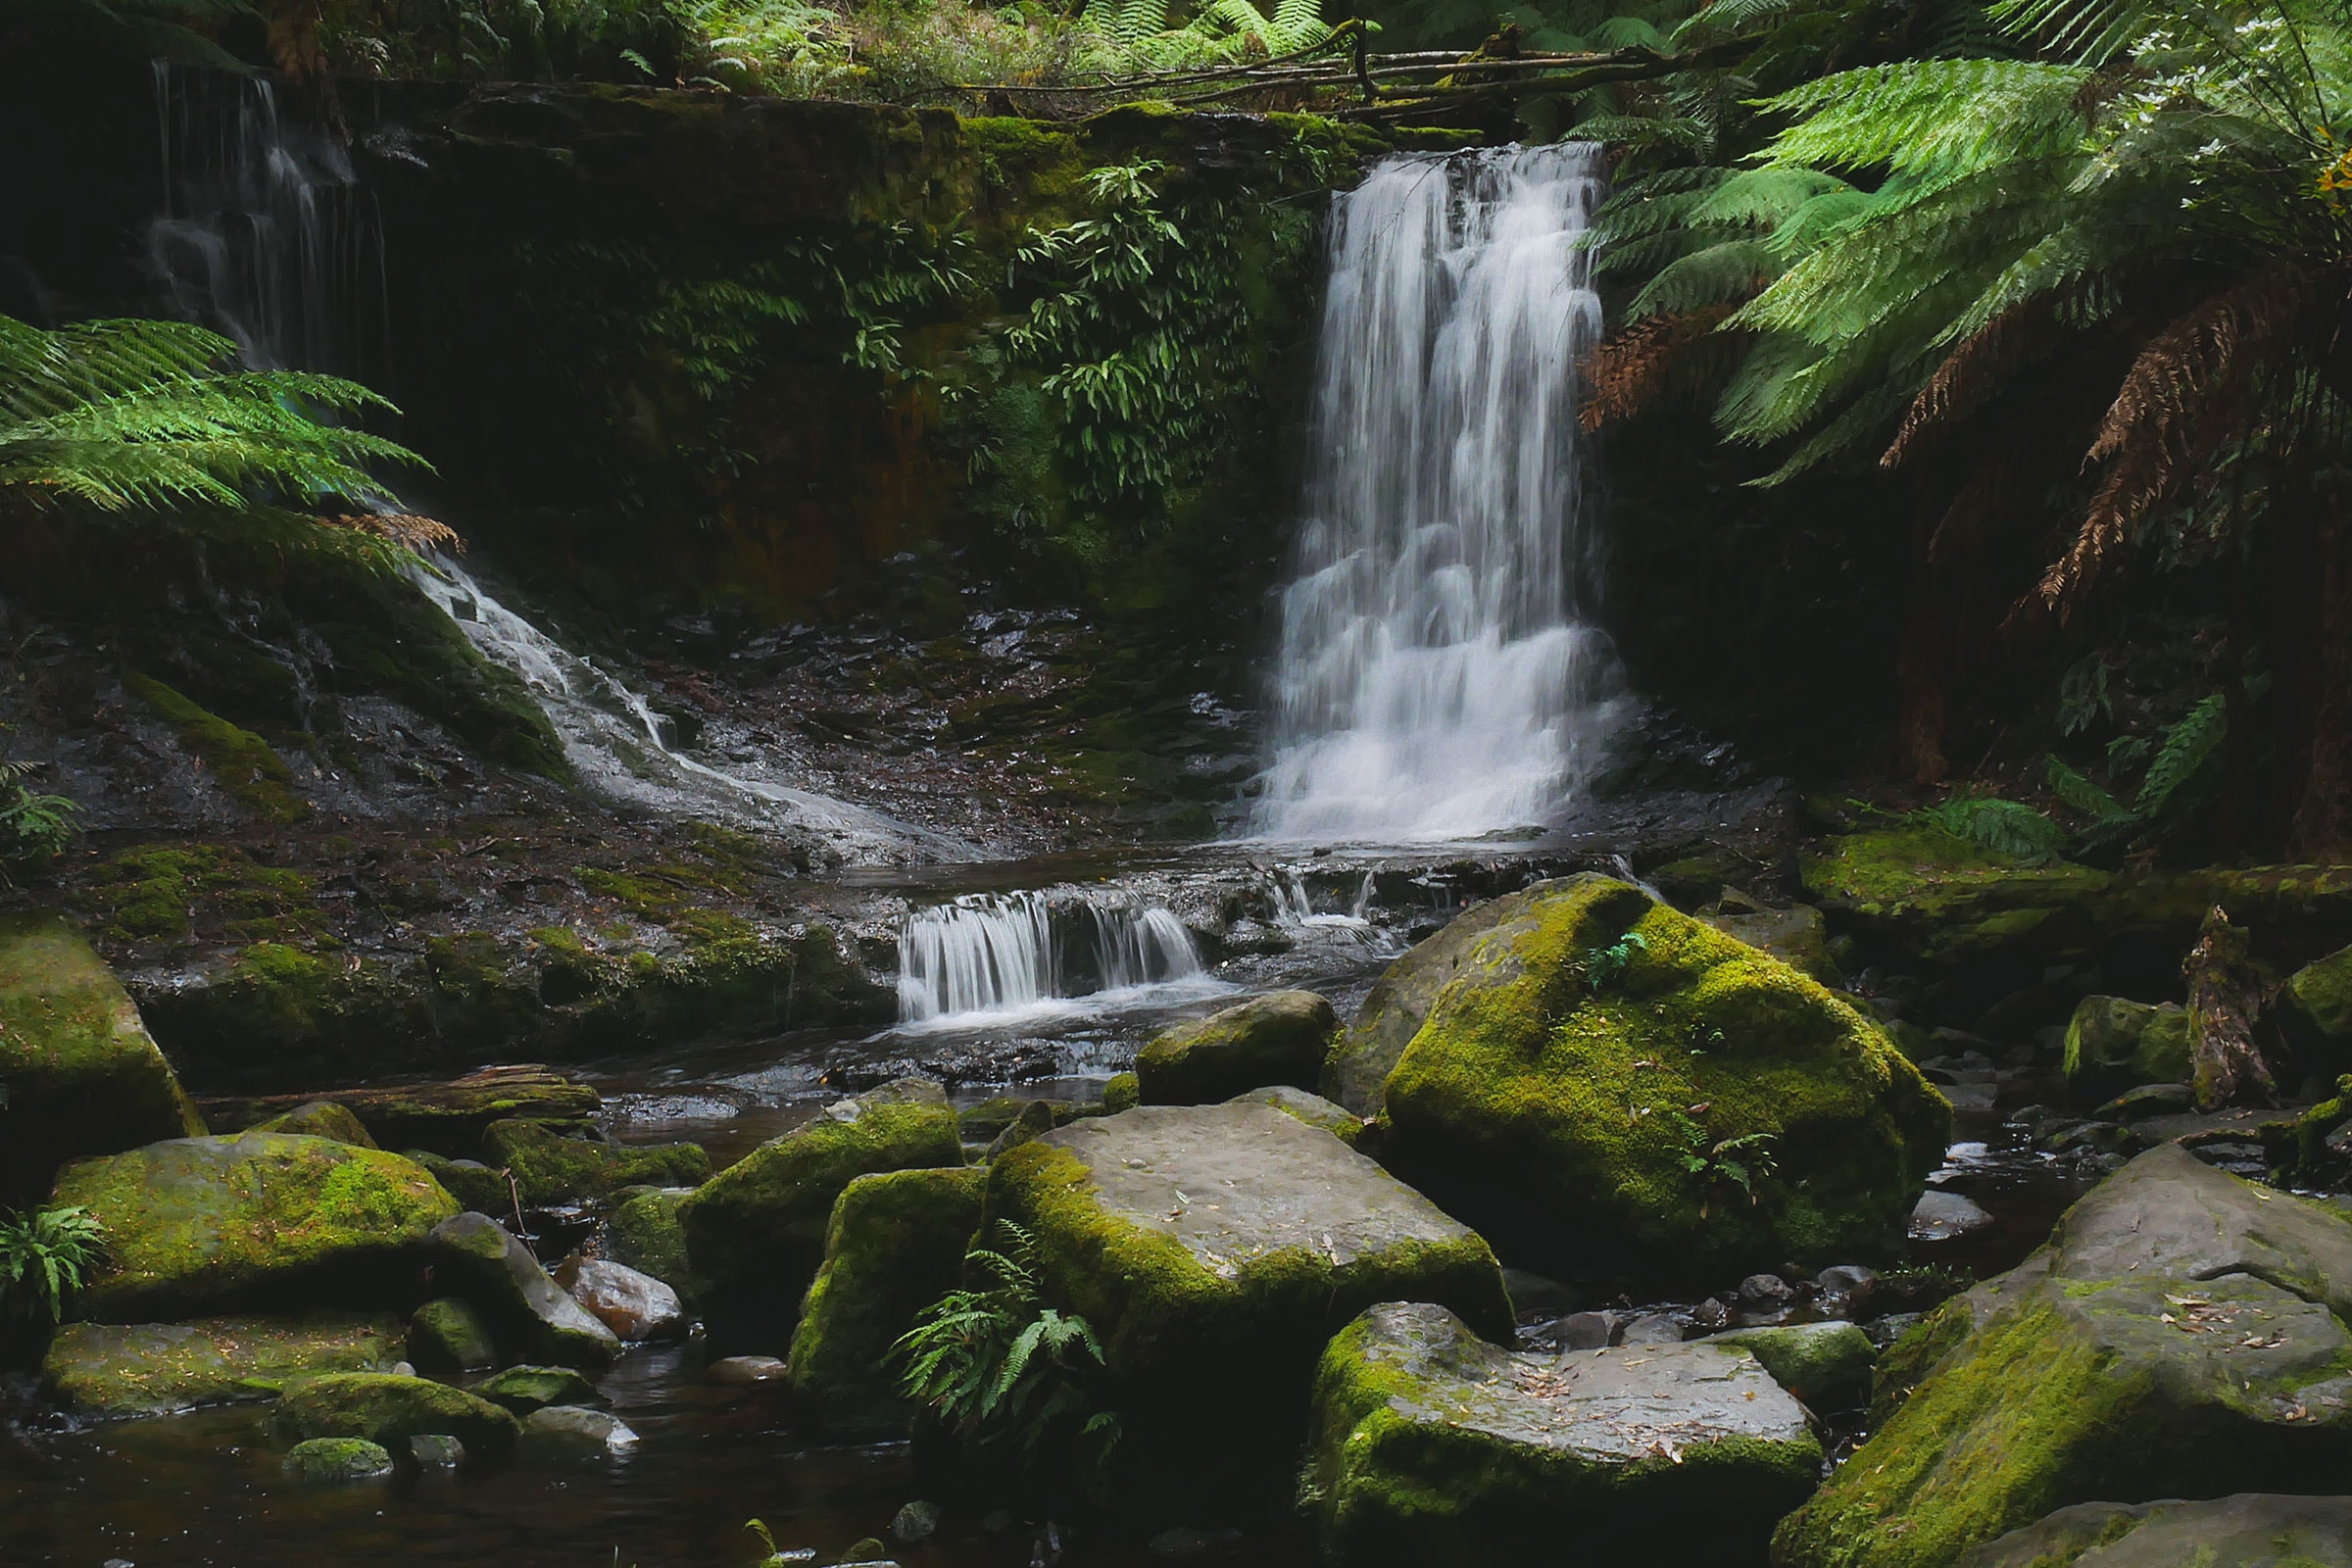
998,956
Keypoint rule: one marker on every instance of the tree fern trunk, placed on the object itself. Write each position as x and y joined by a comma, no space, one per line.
2223,996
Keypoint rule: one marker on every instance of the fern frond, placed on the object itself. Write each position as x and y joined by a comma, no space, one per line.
2187,748
1942,117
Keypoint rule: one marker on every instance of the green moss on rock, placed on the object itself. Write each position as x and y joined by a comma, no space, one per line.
1275,1039
211,1224
476,1257
83,1076
1312,1109
389,1410
524,1389
2113,1045
551,1168
319,1118
144,1369
1124,1091
447,1337
895,1245
644,1234
1606,1081
241,762
323,1462
1827,1365
762,1222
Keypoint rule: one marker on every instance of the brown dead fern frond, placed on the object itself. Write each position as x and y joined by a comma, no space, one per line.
1976,369
2189,390
1638,367
405,529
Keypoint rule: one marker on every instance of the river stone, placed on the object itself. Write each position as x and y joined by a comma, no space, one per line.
143,1369
2179,1337
325,1460
448,1335
2113,1045
1557,1097
1941,1216
474,1185
571,1430
1036,1117
524,1389
478,1258
896,1244
1432,1445
1827,1365
1214,1249
746,1371
551,1168
319,1118
760,1223
82,1076
2251,1530
447,1119
389,1410
1276,1039
198,1225
635,1306
2314,1011
437,1451
1312,1109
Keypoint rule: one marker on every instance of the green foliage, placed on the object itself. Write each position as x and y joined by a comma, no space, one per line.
1735,1161
1138,36
44,1256
2005,827
1608,964
32,826
1000,1368
2182,755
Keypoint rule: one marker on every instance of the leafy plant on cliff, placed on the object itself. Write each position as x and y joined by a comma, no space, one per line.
44,1256
131,417
32,826
1002,1370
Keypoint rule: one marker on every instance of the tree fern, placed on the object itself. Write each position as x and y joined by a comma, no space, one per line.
2187,748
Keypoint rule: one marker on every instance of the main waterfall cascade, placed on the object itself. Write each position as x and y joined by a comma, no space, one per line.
1434,682
989,957
268,237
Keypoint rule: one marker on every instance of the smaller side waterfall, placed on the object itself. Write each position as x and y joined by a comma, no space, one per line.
1009,955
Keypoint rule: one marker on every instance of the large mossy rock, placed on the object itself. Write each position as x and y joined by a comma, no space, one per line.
390,1409
140,1369
2314,1010
446,1119
197,1225
759,1224
321,1118
896,1244
2251,1530
1215,1249
81,1075
644,1234
488,1265
2113,1045
448,1335
1276,1039
2182,1336
1606,1087
1432,1446
550,1168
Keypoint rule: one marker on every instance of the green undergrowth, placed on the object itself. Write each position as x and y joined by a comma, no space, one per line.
161,891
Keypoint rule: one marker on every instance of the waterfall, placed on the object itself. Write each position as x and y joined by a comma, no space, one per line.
268,237
1434,682
1024,954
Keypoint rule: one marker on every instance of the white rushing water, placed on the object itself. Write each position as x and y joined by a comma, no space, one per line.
268,237
1434,682
991,957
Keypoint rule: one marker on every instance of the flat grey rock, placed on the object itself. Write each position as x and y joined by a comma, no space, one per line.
1941,1216
2249,1529
569,1429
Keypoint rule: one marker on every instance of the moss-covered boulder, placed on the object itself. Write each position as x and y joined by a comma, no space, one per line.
2113,1045
643,1233
2251,1530
1215,1249
389,1410
445,1118
140,1369
319,1118
524,1389
1827,1365
1606,1086
476,1185
1312,1109
82,1074
198,1225
2314,1011
481,1261
1430,1445
1124,1091
447,1336
895,1242
760,1223
551,1168
1797,936
325,1462
2182,1336
1276,1039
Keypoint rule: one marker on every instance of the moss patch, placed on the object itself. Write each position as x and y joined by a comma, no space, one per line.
245,765
390,1410
551,1168
141,1369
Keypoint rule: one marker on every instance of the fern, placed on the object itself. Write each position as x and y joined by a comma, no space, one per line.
1608,964
44,1256
32,826
2187,748
2005,827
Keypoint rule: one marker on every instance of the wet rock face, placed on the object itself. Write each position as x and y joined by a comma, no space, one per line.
2249,1529
139,1369
1214,1249
263,1219
1602,1084
1312,1109
2183,1335
388,1410
446,1119
635,1306
525,1388
1432,1445
759,1224
478,1258
83,1077
1276,1039
895,1245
